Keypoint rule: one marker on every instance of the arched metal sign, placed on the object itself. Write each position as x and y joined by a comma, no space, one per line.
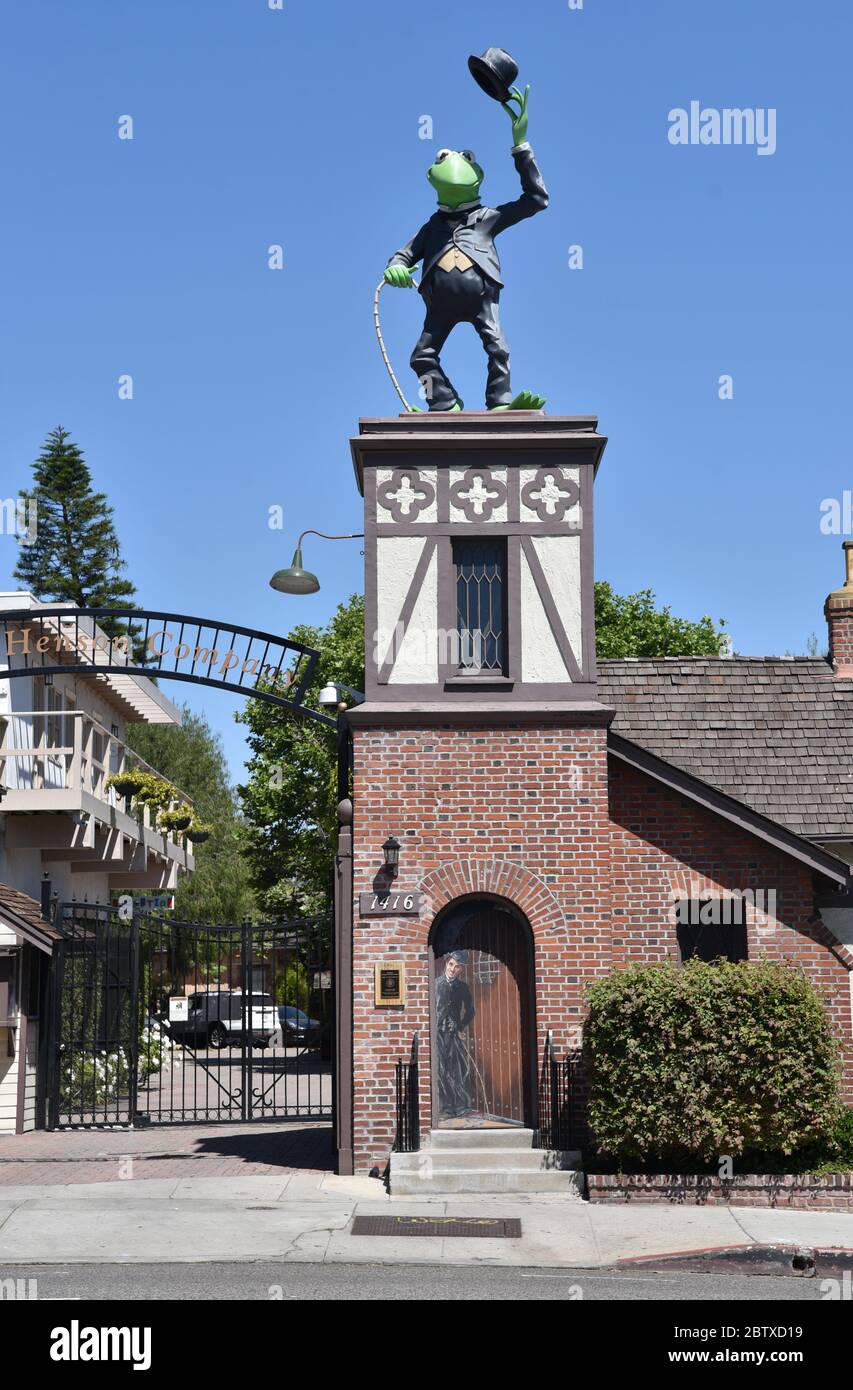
174,646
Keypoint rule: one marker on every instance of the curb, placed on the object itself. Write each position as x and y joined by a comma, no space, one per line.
797,1261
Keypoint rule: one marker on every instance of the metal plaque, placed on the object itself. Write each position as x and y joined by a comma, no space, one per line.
386,902
389,984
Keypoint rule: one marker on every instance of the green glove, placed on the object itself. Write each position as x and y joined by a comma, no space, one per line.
400,276
518,118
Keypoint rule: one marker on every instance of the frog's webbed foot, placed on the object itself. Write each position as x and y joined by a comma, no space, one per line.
523,400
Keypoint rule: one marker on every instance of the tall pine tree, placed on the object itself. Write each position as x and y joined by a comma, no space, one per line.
75,556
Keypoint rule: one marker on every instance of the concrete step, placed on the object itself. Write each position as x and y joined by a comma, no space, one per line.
431,1180
480,1138
498,1160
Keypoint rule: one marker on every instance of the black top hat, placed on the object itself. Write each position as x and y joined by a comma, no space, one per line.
495,72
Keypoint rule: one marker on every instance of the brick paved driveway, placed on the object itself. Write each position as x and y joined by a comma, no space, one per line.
165,1151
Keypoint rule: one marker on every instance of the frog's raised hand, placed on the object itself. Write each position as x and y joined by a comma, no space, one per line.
519,117
400,276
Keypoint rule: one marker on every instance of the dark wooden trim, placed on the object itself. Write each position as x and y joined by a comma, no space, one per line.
481,528
513,499
555,622
514,664
587,567
579,714
470,431
343,1049
446,611
43,1045
23,1033
744,817
564,451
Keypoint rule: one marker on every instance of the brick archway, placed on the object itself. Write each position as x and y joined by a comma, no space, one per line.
498,878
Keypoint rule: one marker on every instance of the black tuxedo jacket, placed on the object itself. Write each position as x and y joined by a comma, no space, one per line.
453,1003
473,228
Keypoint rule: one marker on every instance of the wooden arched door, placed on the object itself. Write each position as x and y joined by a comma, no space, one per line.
482,1017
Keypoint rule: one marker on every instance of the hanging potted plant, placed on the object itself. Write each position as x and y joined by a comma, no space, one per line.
154,793
199,831
176,818
127,783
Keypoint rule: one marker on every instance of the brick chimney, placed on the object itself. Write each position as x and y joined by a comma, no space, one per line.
839,616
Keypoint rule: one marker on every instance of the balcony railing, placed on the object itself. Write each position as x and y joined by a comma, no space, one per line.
66,750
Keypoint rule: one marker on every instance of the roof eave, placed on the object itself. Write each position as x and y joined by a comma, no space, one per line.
736,812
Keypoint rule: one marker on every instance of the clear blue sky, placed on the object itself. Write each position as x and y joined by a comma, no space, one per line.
255,126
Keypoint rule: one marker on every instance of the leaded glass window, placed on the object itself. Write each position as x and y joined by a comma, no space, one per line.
481,604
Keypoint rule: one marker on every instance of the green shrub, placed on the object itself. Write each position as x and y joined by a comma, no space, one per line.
691,1062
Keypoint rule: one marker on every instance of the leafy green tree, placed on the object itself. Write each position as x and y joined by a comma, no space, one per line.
190,755
290,798
293,987
75,556
631,625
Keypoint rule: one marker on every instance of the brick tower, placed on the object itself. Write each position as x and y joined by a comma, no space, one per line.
482,748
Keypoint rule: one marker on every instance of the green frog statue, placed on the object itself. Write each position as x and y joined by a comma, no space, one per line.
460,279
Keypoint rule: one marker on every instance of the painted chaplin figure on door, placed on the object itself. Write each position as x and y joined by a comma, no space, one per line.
461,271
454,1011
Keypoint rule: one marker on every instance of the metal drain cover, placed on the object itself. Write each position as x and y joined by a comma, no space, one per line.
491,1227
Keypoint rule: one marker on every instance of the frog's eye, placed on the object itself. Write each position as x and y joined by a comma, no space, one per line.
470,156
442,155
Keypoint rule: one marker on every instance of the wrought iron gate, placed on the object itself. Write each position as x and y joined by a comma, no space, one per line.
164,1022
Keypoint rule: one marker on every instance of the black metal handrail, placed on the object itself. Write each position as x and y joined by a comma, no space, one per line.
556,1100
408,1136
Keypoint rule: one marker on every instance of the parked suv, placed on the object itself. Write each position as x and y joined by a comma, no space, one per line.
216,1020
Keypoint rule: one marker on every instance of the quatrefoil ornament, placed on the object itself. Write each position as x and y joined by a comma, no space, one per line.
478,494
406,494
550,494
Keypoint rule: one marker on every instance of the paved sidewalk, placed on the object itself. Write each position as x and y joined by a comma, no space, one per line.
229,1193
306,1217
209,1151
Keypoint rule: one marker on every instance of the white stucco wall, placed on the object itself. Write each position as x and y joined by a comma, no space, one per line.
10,1069
8,1087
559,557
417,655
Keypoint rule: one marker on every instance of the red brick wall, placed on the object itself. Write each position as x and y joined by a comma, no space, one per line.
664,845
519,813
526,815
839,617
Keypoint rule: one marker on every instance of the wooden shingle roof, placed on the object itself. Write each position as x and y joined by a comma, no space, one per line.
774,733
23,914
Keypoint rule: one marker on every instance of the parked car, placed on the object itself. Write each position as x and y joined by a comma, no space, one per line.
297,1029
216,1020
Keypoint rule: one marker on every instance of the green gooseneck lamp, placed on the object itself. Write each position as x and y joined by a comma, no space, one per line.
296,579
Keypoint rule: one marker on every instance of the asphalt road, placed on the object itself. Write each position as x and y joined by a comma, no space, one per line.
394,1283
